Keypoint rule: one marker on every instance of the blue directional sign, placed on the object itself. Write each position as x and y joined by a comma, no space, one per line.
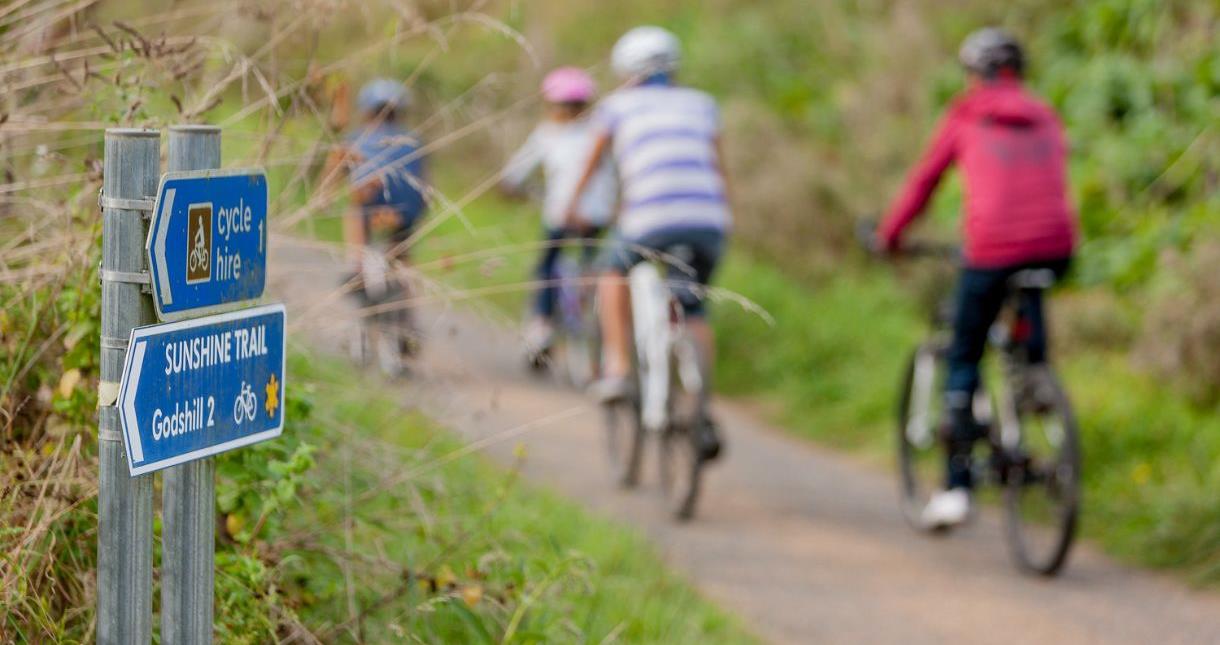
207,242
198,387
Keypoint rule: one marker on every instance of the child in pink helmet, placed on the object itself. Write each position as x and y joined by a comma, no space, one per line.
560,146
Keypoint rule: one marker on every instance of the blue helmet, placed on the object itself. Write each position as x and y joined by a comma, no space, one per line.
381,94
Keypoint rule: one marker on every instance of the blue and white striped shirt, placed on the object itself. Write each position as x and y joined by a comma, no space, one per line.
664,140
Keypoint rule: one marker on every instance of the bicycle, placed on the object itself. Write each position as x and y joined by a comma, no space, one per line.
668,401
574,346
386,334
245,406
1026,421
197,258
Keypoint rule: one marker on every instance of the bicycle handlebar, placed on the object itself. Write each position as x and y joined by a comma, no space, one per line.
866,234
926,249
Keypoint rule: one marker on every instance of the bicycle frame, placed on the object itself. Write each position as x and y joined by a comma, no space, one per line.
1011,340
654,337
663,352
385,326
574,287
1008,336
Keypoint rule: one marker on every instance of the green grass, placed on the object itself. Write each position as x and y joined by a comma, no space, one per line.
830,361
457,550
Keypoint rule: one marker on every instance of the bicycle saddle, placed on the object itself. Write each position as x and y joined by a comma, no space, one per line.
1032,279
684,253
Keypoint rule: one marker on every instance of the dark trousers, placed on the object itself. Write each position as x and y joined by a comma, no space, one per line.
548,294
980,295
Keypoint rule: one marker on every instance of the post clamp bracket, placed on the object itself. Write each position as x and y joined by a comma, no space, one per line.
115,342
110,435
145,205
141,278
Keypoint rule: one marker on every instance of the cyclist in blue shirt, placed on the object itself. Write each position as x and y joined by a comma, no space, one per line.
386,169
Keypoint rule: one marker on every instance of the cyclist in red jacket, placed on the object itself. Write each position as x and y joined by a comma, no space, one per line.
1012,152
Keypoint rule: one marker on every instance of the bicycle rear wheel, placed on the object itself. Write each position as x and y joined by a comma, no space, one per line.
680,467
681,462
389,333
577,324
578,361
387,350
1042,495
624,441
921,456
579,346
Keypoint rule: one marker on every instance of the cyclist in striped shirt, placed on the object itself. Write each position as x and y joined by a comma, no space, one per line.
665,142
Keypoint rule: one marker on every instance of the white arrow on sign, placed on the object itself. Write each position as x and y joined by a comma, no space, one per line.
159,246
130,384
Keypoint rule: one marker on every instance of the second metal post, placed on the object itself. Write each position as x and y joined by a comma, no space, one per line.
188,533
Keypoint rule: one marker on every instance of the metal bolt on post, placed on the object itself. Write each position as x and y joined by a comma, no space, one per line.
188,529
125,503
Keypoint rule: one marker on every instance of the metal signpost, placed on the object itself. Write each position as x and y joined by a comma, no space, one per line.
172,395
188,491
124,504
207,246
199,387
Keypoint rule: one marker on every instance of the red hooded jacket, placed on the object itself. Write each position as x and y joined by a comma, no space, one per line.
1013,156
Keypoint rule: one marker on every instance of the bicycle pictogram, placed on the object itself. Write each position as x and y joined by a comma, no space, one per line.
199,244
245,405
199,253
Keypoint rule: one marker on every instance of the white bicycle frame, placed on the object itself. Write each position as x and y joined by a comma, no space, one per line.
660,346
375,275
374,268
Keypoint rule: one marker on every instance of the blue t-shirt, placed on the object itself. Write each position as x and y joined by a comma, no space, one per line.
390,153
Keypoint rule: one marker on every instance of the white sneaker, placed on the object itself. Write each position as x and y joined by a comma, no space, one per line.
539,336
946,509
611,389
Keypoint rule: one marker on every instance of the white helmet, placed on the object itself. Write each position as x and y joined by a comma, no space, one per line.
644,51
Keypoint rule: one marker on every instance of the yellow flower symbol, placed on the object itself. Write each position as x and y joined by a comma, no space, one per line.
273,396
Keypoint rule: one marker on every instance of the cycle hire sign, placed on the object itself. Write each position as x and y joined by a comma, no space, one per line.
207,242
195,388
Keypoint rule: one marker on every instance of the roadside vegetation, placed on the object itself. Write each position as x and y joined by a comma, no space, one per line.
364,522
401,532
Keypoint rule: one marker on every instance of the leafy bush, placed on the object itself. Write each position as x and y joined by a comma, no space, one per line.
1181,336
48,367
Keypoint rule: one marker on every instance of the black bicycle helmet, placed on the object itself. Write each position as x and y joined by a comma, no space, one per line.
989,50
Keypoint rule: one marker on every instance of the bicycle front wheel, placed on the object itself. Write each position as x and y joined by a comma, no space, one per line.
1042,495
921,456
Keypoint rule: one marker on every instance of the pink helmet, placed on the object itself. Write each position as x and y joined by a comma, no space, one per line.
568,85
